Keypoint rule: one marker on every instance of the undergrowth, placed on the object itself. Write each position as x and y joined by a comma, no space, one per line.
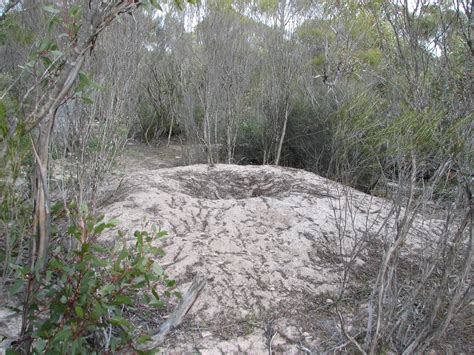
82,297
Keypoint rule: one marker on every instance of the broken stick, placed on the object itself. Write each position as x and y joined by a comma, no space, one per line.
177,316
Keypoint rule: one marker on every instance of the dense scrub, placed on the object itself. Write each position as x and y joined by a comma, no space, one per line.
374,94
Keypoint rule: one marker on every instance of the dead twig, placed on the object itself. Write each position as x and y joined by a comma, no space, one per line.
347,335
110,196
177,316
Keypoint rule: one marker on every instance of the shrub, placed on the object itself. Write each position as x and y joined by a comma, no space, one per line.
81,300
15,208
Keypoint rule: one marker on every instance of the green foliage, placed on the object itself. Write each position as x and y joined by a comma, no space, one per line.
15,160
371,56
316,31
254,125
318,60
86,293
10,28
366,143
85,87
268,6
150,121
179,3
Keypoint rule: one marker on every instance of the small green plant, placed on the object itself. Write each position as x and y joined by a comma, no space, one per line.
81,303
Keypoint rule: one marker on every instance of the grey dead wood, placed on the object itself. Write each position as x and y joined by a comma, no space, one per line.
176,318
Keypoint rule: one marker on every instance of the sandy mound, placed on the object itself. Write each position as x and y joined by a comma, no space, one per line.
260,234
271,241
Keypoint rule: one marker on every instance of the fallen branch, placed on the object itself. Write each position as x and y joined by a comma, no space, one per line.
350,338
177,316
106,199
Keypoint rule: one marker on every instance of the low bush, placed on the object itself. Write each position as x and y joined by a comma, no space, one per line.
82,297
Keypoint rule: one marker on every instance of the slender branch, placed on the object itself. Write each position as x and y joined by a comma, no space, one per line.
347,335
9,6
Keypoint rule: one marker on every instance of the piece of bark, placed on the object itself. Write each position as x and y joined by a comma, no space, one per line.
177,316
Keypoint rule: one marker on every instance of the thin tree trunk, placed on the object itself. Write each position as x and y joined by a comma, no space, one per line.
41,218
44,117
170,131
207,138
282,136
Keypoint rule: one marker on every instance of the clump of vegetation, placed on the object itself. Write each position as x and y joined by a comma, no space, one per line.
81,301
